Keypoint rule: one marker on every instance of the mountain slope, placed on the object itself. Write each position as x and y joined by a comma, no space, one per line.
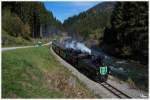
27,19
128,35
104,6
91,22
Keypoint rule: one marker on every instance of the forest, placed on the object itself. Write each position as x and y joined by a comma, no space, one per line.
27,19
128,35
91,22
120,27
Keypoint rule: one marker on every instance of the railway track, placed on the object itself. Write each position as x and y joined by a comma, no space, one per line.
115,91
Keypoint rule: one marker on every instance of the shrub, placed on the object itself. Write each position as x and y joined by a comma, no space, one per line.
14,25
131,83
17,26
26,31
127,51
8,40
11,23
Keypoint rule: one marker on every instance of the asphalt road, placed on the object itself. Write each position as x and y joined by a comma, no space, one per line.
13,48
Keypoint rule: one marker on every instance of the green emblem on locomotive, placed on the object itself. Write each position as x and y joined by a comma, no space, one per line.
103,70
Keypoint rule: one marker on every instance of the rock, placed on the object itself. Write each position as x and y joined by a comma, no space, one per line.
72,82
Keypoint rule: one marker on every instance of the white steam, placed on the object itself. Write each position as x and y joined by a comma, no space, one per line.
77,46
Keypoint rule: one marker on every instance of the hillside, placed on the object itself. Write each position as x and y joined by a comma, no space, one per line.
28,20
128,35
120,28
91,23
104,6
36,73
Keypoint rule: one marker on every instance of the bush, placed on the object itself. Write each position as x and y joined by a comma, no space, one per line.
14,25
127,51
11,23
26,32
8,40
131,83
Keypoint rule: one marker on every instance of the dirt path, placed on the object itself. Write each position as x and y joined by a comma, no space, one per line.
13,48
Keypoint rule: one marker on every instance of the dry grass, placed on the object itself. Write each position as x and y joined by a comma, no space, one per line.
35,73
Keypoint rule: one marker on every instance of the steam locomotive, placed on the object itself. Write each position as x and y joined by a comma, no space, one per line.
87,63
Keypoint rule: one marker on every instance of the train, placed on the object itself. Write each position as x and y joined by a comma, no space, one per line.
89,64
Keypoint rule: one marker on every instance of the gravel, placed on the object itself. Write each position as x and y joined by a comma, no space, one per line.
127,89
97,89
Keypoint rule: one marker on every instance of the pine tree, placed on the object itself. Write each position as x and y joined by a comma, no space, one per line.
129,27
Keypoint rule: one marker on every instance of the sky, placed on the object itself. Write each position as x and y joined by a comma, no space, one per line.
63,10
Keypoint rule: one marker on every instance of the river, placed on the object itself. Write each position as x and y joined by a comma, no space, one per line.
125,70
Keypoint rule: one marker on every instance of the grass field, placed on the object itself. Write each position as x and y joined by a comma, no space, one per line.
35,73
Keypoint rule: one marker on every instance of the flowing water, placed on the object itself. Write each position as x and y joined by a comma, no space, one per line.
125,69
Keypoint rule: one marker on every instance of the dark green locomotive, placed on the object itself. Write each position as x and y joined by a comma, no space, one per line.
84,62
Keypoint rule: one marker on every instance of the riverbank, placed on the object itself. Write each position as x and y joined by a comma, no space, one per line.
126,70
97,88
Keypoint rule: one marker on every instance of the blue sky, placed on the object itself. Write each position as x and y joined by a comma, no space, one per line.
63,10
